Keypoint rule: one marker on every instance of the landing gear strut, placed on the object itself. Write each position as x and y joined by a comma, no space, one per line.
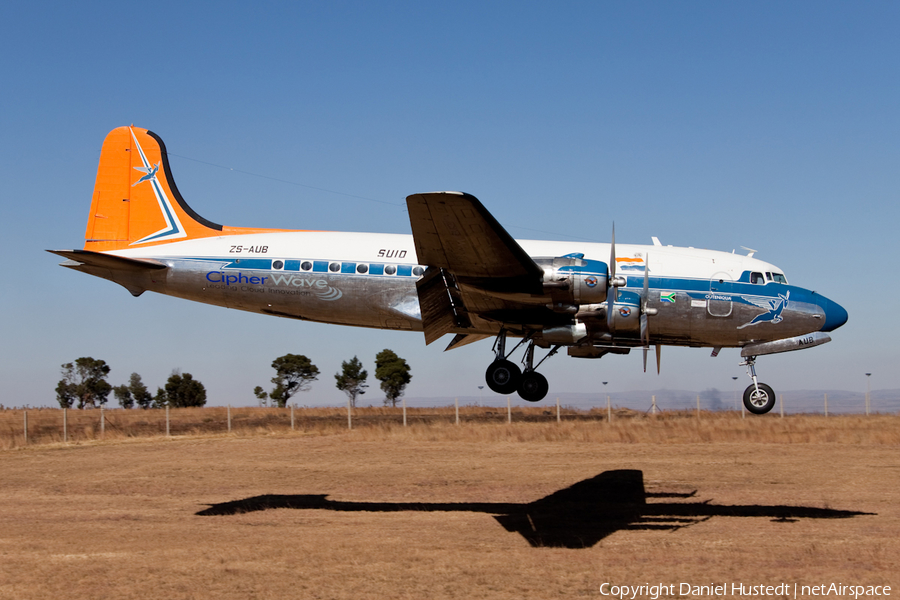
759,398
504,377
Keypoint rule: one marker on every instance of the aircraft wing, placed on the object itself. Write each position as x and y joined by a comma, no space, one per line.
454,231
475,268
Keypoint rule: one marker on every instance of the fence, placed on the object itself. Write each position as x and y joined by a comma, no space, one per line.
23,427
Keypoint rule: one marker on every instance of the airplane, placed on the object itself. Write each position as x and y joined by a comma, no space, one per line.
460,273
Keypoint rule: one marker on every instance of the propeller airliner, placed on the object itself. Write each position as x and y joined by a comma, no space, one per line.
459,273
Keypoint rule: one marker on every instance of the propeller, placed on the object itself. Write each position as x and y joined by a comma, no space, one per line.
646,312
613,293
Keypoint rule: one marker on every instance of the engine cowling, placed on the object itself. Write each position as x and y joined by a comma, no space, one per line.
575,281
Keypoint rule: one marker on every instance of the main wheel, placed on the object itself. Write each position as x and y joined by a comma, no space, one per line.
759,401
503,376
533,386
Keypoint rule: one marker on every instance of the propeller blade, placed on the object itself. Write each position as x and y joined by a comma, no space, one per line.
613,293
645,318
658,349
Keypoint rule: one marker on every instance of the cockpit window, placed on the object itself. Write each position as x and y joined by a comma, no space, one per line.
779,278
768,276
757,278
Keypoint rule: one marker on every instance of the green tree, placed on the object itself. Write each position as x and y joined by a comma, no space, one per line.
393,373
123,395
293,373
159,400
135,392
262,395
352,379
85,382
182,390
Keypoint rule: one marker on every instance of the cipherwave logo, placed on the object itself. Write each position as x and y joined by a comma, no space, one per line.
317,286
312,285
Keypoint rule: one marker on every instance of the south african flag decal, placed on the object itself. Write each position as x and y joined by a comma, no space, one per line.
667,297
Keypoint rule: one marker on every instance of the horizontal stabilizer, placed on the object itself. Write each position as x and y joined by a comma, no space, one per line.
107,261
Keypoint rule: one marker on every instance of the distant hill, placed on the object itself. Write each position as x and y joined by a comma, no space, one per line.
795,401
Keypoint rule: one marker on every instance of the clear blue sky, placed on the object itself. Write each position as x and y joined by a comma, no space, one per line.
716,125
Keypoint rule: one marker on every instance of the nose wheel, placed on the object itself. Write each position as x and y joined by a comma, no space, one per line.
759,398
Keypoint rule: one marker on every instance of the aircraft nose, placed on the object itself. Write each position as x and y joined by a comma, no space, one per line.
835,316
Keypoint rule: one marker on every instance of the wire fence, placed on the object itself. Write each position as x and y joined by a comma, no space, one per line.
20,427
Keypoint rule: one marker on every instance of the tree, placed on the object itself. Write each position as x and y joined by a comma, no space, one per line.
293,373
393,373
123,395
84,381
262,395
133,393
352,379
182,390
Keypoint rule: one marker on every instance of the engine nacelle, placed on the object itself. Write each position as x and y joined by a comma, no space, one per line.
573,280
565,335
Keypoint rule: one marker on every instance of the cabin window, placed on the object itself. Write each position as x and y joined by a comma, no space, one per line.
390,269
278,265
306,265
757,278
417,271
334,267
362,268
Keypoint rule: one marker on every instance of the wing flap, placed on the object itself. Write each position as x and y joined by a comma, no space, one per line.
441,305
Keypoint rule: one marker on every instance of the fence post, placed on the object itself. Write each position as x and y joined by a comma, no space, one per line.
508,410
228,412
292,416
781,404
102,423
653,407
608,410
457,411
167,420
743,416
826,405
349,418
558,420
404,411
26,426
65,426
698,406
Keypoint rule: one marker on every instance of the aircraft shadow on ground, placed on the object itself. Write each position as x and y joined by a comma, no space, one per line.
578,516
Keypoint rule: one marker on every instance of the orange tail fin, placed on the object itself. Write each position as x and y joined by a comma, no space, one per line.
135,200
136,203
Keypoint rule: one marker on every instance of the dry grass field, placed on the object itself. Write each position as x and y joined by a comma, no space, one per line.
482,510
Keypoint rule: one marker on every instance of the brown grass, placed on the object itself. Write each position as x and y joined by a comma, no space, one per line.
477,424
118,518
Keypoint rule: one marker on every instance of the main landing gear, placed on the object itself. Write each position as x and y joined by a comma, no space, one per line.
759,398
504,377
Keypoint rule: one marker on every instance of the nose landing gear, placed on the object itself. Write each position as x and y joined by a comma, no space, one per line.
504,377
759,398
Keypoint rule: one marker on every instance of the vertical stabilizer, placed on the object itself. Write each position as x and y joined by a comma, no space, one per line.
135,200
